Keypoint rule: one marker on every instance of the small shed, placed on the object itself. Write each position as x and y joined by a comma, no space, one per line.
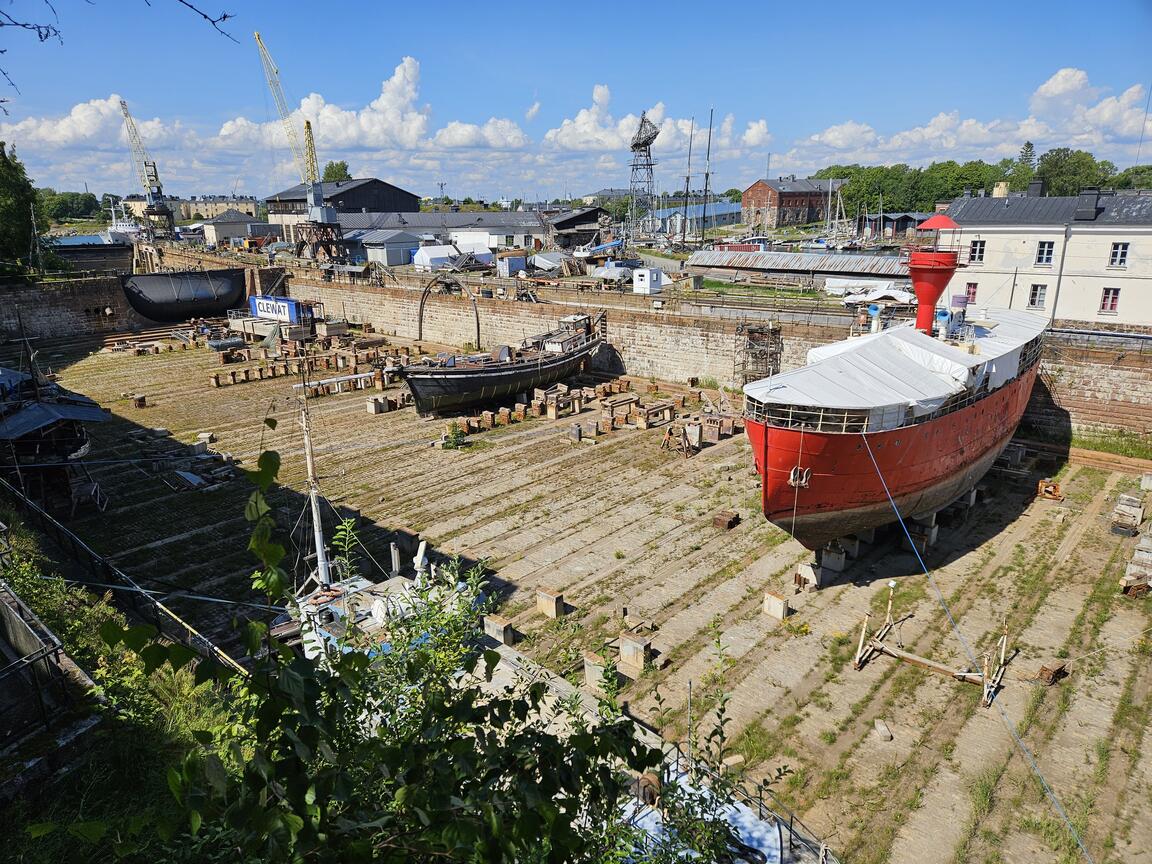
510,265
391,248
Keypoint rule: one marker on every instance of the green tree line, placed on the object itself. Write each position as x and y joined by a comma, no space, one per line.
903,187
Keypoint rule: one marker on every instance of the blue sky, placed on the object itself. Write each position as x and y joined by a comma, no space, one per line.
540,99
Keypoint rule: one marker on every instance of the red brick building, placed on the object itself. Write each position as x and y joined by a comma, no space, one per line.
786,201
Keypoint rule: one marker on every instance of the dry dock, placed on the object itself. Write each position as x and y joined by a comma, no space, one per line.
623,523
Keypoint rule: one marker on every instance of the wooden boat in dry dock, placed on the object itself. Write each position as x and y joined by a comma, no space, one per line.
454,382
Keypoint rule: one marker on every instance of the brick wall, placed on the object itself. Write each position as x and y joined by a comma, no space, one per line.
1092,387
67,308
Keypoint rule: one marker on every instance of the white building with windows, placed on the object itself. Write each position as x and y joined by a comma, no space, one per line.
1085,261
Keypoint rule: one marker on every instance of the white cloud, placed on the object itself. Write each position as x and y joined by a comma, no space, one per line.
498,133
393,136
757,134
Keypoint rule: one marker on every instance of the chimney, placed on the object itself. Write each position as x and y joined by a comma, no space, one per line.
1037,189
1087,204
967,192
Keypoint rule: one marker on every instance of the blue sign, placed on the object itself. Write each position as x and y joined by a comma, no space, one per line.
275,308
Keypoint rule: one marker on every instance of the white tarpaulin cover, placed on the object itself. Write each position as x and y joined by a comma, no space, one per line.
839,286
895,294
899,368
430,257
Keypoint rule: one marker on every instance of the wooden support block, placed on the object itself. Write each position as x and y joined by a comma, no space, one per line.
503,417
550,603
594,666
487,420
635,653
499,629
882,730
214,379
776,606
726,520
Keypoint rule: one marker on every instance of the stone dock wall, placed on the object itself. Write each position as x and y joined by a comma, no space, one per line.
1101,381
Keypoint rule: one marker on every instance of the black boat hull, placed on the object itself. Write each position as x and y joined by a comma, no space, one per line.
439,390
174,297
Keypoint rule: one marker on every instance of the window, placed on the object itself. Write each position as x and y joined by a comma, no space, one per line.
1036,296
1110,299
970,290
509,240
1044,251
1118,258
976,252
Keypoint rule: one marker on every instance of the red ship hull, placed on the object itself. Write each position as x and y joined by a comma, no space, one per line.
927,466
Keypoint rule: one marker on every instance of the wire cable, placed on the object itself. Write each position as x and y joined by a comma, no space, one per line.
972,658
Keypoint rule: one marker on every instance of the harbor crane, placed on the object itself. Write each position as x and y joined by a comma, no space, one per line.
157,211
320,234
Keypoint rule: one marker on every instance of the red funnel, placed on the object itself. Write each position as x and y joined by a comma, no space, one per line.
931,271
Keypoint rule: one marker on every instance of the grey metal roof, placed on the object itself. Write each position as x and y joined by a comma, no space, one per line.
1024,210
609,193
912,214
491,220
715,208
37,415
230,216
802,262
380,237
299,192
569,215
803,184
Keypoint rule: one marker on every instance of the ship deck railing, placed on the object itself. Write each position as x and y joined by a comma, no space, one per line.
844,421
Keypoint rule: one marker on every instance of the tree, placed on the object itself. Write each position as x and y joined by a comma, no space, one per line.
1066,171
335,171
1023,170
734,196
22,217
1136,177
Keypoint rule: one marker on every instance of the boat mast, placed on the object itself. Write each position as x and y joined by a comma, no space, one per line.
707,182
322,573
687,182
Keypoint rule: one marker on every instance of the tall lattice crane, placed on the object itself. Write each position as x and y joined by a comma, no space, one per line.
321,233
156,209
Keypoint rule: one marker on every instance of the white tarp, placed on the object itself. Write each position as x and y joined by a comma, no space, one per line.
434,257
839,286
889,372
894,294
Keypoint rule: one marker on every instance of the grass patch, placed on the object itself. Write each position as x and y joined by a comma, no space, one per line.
1119,442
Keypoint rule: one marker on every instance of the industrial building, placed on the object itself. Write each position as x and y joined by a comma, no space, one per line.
605,196
1082,260
769,203
699,217
367,195
497,229
579,227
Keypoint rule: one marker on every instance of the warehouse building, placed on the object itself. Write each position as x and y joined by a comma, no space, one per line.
367,195
492,229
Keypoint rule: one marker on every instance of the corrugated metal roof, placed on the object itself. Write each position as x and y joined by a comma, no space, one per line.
1024,210
802,262
715,208
11,377
380,237
230,216
37,415
494,222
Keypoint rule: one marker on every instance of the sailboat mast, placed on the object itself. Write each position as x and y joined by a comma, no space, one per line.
323,576
687,181
707,183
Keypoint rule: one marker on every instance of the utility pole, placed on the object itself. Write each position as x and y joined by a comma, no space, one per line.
323,576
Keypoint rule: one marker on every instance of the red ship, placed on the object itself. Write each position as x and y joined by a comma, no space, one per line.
918,411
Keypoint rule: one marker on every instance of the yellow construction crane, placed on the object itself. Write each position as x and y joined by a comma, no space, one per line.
321,233
156,210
